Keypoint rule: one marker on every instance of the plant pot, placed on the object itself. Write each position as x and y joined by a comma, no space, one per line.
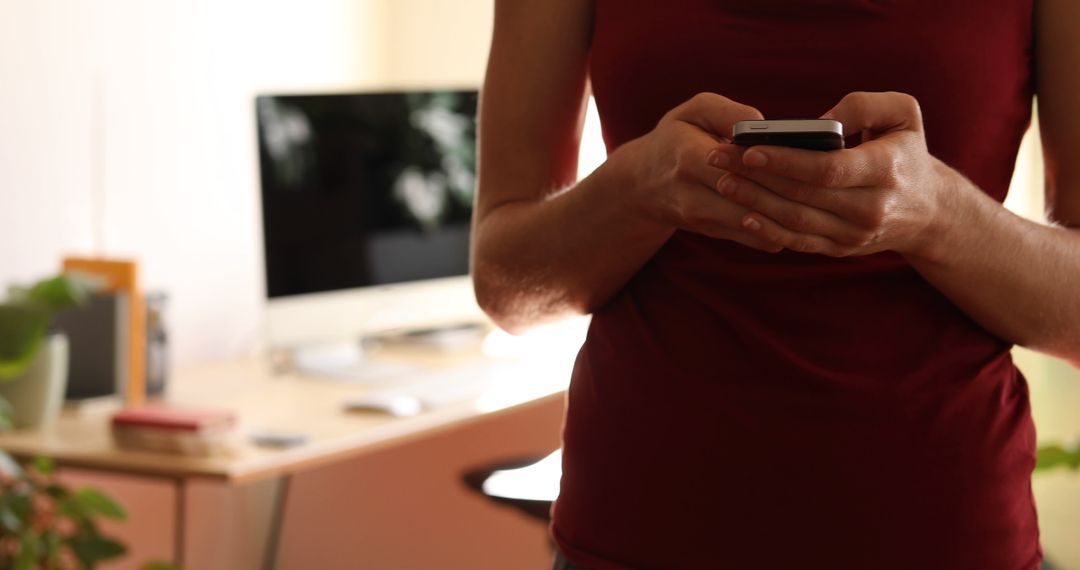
37,395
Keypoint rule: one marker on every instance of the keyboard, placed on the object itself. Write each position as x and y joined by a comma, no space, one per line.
442,387
437,388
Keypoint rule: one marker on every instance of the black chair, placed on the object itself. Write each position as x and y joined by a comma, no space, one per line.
527,503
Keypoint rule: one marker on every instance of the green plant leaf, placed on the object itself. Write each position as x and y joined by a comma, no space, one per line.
21,505
69,507
53,545
28,551
1053,456
7,415
22,328
43,465
1049,456
94,501
57,491
91,548
59,292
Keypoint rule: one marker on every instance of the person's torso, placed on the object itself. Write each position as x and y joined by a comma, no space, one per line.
729,399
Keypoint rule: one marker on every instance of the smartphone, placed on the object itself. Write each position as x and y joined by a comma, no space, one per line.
813,134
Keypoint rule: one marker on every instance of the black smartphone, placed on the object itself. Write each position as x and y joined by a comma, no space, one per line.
813,134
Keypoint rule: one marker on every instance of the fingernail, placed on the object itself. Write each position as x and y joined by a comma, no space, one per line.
754,158
727,186
751,224
719,159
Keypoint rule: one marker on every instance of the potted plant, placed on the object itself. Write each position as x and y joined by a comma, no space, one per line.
34,359
1056,456
1053,456
44,524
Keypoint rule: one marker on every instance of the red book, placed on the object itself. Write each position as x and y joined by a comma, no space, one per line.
169,429
174,418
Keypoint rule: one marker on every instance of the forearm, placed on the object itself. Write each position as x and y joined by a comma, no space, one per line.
1015,277
537,260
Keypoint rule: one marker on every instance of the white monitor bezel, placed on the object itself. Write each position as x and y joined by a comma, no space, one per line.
352,314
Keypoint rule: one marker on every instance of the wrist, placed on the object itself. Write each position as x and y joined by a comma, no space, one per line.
624,174
953,212
959,208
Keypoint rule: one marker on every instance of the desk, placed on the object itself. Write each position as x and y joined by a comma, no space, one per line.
287,402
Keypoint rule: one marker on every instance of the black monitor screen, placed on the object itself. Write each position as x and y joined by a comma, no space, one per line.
365,189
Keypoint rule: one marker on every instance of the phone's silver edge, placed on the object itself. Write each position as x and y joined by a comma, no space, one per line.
788,126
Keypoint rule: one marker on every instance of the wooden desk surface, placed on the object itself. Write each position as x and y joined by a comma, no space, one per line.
290,403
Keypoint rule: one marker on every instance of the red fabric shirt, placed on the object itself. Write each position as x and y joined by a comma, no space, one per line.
736,409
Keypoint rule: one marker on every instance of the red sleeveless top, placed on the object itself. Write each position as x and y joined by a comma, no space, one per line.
735,409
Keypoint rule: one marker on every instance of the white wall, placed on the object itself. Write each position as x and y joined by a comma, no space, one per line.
1026,195
47,60
127,129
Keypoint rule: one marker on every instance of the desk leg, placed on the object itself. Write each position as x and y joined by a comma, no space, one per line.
273,538
180,521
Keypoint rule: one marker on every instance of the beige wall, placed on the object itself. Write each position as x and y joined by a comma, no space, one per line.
437,42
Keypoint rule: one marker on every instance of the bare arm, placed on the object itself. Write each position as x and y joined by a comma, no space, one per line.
1017,278
1037,269
1059,116
544,247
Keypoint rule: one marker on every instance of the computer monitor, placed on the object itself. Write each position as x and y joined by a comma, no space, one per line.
366,203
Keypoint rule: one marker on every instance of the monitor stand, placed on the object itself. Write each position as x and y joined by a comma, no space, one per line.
343,362
347,361
445,338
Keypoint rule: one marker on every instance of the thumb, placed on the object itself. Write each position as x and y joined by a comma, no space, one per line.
715,114
877,113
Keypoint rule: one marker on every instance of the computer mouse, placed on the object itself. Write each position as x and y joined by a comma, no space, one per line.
393,403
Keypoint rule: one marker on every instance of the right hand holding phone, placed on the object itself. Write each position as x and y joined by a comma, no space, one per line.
887,194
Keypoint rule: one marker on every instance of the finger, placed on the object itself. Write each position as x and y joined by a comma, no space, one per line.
698,160
793,216
864,208
850,204
747,239
844,202
769,230
850,168
809,168
714,113
708,213
877,112
873,113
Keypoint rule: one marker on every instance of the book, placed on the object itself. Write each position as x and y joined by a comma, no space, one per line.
98,336
175,429
123,277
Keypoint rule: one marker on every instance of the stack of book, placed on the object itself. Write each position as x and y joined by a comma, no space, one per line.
172,429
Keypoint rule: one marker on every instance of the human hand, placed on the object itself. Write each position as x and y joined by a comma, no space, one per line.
888,193
673,170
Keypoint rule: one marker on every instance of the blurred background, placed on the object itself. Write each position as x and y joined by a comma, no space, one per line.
128,130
